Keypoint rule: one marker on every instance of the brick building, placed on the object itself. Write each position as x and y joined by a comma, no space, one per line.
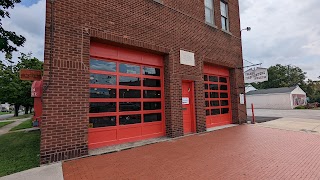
119,71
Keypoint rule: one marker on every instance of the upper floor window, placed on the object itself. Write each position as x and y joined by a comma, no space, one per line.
224,16
209,12
159,1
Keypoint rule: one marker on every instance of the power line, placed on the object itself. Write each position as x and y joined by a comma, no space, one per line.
248,61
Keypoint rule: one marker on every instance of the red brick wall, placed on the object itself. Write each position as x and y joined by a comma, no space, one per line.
140,24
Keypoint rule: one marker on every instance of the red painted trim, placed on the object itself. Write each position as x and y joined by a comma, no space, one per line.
133,139
123,54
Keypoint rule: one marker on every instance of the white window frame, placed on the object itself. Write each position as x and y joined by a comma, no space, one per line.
225,18
158,1
212,13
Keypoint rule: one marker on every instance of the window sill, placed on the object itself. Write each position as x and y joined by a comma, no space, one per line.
158,1
211,25
228,32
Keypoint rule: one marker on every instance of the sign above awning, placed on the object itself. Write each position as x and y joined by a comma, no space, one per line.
30,75
256,75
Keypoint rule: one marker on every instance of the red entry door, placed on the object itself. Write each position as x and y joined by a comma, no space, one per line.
187,104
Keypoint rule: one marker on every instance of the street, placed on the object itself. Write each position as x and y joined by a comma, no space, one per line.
5,116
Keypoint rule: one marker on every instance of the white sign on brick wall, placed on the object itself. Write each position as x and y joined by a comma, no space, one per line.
187,58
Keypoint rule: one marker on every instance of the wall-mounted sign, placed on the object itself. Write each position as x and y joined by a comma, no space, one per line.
256,75
187,58
185,100
241,98
30,74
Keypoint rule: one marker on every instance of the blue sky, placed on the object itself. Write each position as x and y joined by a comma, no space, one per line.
285,32
28,2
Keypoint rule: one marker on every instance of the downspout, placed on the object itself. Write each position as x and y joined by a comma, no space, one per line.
51,46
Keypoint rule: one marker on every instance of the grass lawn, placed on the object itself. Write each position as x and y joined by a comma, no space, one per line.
20,117
25,125
2,113
19,151
4,124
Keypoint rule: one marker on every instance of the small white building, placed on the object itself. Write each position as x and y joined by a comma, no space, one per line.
249,88
277,98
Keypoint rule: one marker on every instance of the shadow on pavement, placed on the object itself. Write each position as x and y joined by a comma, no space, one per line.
262,119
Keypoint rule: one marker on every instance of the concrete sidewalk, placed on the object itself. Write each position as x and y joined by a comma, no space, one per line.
48,172
294,124
7,128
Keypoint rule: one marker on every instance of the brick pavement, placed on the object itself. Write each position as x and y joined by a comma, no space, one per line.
254,153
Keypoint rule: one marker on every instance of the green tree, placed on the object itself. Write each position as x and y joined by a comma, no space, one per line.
283,76
9,40
12,89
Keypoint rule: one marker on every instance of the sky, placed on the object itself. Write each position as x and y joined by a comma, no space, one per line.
285,32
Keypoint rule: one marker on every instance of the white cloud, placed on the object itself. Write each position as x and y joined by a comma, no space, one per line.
284,32
30,23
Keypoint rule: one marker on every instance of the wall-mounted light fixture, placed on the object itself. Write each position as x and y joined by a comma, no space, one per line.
247,29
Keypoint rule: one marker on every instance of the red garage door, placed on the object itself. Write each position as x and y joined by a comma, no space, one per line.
126,96
217,96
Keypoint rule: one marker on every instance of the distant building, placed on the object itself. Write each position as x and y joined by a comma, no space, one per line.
277,98
249,88
5,107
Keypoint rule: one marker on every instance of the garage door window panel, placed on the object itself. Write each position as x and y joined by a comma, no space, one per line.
213,79
100,107
151,94
129,81
224,103
152,105
224,87
98,122
224,110
152,117
129,69
129,106
149,71
151,82
130,119
223,80
103,79
103,65
103,93
214,95
215,112
214,87
129,93
224,95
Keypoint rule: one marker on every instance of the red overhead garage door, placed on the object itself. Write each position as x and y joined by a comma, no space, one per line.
217,96
126,96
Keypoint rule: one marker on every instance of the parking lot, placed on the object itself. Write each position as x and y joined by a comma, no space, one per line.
295,113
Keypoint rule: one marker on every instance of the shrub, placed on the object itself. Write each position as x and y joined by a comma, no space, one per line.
300,107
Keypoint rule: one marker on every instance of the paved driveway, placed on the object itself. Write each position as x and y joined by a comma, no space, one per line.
242,152
295,113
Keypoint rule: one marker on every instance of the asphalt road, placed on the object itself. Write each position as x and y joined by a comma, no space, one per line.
5,116
295,113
